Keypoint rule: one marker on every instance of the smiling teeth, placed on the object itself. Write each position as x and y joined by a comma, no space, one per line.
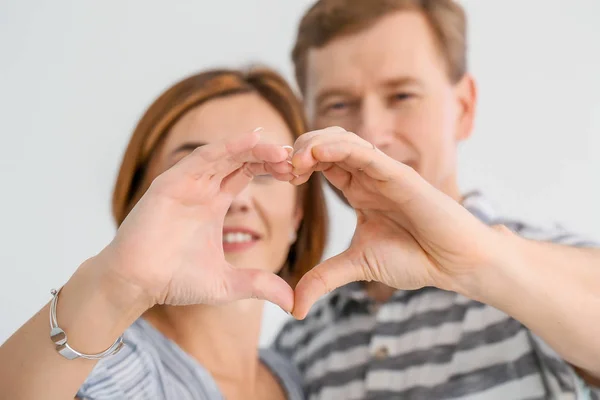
237,237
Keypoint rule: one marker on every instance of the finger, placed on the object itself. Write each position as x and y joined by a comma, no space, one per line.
356,157
304,159
258,284
221,156
261,153
233,147
267,152
338,177
234,183
281,167
324,278
300,179
237,181
258,169
307,137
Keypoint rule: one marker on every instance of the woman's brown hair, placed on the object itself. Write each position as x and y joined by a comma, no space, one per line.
158,119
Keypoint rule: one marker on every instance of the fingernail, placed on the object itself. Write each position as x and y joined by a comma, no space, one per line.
260,128
289,149
287,312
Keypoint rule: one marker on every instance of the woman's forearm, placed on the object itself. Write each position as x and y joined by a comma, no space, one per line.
93,310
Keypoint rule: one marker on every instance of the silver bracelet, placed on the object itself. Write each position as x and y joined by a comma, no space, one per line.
59,337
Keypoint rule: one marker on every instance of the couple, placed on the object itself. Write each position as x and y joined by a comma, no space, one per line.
449,300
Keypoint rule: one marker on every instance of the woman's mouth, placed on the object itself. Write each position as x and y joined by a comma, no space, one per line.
238,239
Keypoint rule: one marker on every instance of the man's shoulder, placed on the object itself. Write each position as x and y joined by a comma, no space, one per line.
555,233
485,210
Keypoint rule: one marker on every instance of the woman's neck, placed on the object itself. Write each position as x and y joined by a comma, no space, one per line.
223,339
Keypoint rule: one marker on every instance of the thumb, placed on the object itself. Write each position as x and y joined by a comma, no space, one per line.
259,284
325,277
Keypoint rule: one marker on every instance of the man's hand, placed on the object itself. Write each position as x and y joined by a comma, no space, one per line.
408,233
411,235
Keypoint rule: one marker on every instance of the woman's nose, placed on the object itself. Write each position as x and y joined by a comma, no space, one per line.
242,202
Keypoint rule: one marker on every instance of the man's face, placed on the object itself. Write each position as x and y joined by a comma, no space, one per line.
389,84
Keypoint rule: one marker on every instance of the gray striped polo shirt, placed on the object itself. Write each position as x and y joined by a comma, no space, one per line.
428,343
151,366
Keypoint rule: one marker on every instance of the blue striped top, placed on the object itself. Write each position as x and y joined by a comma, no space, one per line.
151,366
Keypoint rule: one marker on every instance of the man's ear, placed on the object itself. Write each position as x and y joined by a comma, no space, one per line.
466,96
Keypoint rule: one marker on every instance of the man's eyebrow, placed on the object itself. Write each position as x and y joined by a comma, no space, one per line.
388,84
401,81
331,92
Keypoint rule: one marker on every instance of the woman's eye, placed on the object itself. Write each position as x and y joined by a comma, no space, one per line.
401,96
337,106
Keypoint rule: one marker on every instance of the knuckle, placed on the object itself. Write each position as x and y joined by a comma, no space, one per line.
336,129
200,153
319,277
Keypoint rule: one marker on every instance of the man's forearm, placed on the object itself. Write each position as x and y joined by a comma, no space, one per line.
552,289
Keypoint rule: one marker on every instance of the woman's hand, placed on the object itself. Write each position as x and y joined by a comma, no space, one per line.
170,244
408,233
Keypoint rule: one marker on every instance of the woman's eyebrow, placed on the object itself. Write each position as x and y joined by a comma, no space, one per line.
189,146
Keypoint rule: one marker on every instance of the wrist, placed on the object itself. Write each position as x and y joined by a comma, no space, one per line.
95,307
489,272
123,295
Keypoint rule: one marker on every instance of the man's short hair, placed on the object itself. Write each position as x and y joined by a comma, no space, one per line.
329,19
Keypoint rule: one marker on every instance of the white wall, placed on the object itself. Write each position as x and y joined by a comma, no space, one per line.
75,76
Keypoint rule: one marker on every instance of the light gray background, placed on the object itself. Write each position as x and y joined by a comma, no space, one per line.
75,77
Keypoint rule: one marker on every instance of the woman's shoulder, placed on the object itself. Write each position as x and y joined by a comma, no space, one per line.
285,371
131,373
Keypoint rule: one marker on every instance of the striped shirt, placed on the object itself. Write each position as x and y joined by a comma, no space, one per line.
427,343
151,366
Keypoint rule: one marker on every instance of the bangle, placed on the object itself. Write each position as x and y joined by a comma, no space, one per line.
59,337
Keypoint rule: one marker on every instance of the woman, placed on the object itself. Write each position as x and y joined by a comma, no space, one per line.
205,217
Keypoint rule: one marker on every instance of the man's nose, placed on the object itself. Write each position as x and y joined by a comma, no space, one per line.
376,123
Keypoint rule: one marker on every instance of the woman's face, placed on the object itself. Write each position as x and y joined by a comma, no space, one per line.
261,223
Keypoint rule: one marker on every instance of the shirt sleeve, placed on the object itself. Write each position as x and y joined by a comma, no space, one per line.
127,374
559,374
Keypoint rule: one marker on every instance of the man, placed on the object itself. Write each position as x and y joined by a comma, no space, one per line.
484,313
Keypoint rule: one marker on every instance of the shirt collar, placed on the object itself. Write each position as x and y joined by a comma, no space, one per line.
353,292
